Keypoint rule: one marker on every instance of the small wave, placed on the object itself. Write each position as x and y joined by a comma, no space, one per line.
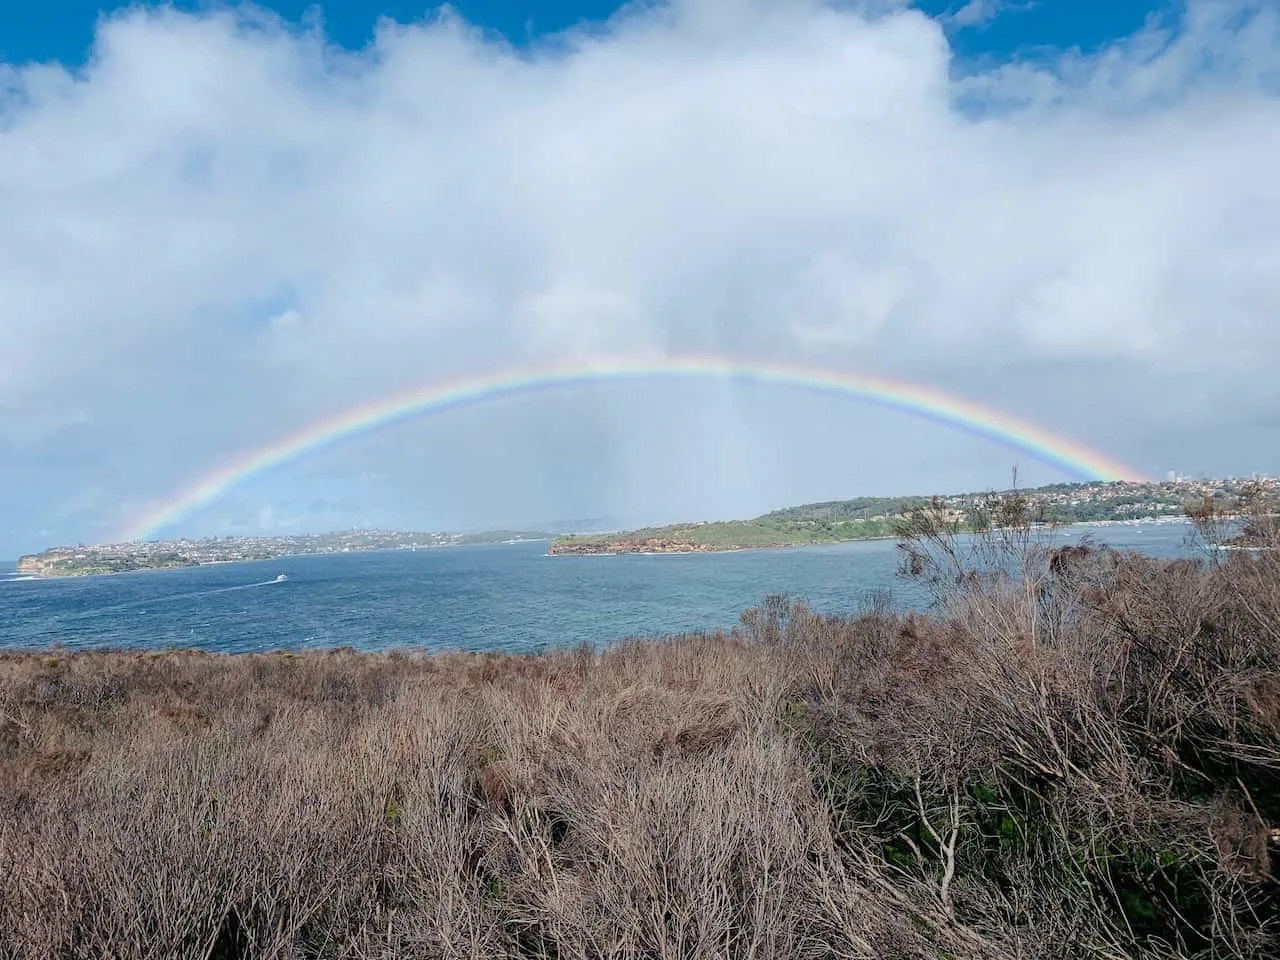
15,579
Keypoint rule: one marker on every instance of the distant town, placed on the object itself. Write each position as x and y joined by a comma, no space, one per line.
830,522
160,554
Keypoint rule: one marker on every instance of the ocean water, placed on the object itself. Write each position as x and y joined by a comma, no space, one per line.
509,597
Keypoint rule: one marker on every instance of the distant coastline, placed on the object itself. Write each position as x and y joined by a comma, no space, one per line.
813,524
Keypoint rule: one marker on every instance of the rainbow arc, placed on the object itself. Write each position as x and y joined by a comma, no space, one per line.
919,400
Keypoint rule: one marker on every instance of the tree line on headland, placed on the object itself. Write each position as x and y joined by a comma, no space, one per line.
1074,753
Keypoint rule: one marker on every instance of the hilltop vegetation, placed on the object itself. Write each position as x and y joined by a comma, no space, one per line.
1077,754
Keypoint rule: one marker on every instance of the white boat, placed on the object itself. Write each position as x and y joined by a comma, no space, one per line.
280,579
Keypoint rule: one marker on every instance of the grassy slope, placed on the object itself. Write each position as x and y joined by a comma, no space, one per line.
863,518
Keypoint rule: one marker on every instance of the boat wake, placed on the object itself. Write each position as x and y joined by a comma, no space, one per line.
201,593
171,598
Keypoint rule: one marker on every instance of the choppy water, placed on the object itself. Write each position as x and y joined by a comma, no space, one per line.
502,597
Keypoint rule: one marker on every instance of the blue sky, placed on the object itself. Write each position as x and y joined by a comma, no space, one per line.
218,232
62,30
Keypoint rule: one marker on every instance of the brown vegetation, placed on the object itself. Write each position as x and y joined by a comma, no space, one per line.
1076,755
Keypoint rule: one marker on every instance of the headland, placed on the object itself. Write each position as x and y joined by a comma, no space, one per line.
873,518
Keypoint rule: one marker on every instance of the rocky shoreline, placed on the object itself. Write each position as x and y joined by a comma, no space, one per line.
617,546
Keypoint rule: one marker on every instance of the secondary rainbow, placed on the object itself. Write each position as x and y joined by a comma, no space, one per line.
917,399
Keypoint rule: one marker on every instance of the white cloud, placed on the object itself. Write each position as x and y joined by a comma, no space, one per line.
977,12
793,180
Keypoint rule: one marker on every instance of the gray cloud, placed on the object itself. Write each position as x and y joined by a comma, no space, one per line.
222,229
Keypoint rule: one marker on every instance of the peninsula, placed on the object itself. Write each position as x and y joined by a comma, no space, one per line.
160,554
870,518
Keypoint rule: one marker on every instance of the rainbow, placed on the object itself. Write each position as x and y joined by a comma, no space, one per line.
916,399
